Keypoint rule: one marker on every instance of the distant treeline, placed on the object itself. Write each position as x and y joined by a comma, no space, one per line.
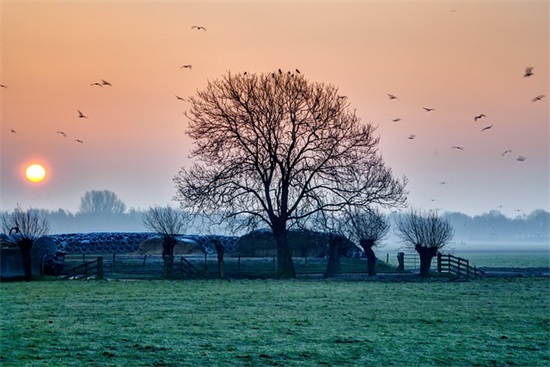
491,227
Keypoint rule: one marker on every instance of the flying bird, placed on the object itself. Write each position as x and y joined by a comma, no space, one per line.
457,147
506,152
79,141
13,131
443,183
478,117
81,115
397,119
521,158
96,83
187,66
104,82
486,128
538,98
428,109
528,72
179,98
62,133
198,28
392,96
3,86
412,136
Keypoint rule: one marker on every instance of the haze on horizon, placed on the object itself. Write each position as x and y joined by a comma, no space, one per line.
461,59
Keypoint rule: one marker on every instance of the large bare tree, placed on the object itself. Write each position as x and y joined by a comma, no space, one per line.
167,222
426,232
276,148
101,202
368,227
23,228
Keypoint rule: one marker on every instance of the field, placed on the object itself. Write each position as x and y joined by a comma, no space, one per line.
488,322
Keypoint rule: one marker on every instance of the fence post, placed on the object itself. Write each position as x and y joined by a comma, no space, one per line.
144,259
439,262
387,258
205,264
274,262
467,268
113,266
239,261
99,275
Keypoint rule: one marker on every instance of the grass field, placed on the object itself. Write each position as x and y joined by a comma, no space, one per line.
490,322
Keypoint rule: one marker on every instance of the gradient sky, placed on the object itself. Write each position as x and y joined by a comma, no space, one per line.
461,58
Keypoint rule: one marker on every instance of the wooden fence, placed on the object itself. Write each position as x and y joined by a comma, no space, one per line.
87,270
447,263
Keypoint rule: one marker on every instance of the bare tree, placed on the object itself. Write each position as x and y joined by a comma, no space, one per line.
425,232
168,222
23,228
368,228
101,202
276,148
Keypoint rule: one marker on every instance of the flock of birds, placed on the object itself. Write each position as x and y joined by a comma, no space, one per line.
528,73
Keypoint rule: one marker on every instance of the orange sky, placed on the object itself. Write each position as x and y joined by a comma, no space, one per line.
462,59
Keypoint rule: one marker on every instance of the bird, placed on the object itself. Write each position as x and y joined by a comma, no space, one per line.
443,183
280,71
506,152
198,28
297,71
428,109
538,98
478,117
397,119
62,133
104,82
457,147
392,96
13,131
81,115
79,141
179,98
486,128
528,72
412,136
187,66
521,158
3,86
96,83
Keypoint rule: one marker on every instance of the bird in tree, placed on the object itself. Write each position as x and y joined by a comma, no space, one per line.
199,28
486,128
538,98
81,115
478,117
297,71
528,72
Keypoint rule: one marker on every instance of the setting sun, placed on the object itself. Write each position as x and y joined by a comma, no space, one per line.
35,173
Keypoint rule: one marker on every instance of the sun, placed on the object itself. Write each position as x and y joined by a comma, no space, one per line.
35,172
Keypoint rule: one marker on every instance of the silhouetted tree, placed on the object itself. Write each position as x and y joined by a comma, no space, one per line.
368,228
101,202
276,148
23,228
426,232
168,222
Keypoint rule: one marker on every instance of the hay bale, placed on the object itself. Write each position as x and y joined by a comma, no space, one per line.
153,246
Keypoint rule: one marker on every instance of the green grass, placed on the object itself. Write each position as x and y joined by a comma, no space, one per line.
491,322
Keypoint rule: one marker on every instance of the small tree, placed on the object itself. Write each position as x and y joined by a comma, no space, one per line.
426,232
168,223
101,202
368,228
23,228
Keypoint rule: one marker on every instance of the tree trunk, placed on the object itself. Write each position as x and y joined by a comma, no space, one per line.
25,245
334,251
426,255
168,244
285,265
220,251
367,246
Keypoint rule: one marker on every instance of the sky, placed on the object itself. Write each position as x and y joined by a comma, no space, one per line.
461,59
